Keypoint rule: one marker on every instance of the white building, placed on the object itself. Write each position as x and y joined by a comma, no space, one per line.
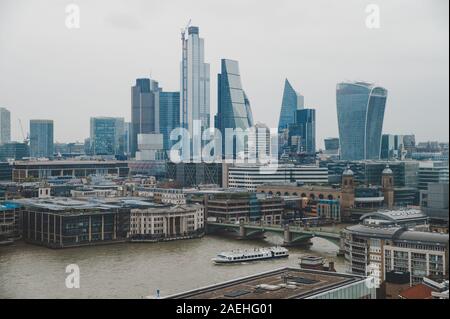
251,176
167,222
150,147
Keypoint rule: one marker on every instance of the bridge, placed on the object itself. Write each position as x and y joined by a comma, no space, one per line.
292,235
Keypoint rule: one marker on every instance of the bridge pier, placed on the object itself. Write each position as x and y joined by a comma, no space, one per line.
287,236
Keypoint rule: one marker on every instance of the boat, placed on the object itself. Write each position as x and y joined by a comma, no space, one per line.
238,256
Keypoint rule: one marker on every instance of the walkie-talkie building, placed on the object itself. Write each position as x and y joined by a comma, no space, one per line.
360,111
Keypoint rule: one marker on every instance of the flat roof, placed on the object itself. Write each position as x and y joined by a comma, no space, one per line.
283,283
68,162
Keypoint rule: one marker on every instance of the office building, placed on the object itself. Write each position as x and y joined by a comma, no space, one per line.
44,170
169,116
233,109
63,222
379,249
14,151
434,202
247,207
107,136
194,174
302,134
41,138
332,144
292,101
9,220
432,172
5,126
369,172
360,110
144,110
5,171
150,147
195,81
288,283
251,176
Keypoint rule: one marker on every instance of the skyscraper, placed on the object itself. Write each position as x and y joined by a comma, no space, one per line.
41,138
195,81
360,111
306,119
144,101
292,101
234,110
5,126
331,144
302,134
169,115
107,136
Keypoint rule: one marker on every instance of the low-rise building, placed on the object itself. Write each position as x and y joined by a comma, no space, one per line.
252,176
43,170
9,220
288,283
246,207
66,222
377,250
167,222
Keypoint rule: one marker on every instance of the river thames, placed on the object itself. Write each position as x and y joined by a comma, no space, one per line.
136,270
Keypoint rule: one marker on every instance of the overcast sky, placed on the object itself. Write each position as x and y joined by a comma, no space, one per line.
69,75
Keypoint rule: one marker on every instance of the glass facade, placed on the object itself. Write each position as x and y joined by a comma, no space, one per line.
305,131
292,101
195,81
144,99
41,138
360,110
107,136
233,105
5,126
364,289
169,115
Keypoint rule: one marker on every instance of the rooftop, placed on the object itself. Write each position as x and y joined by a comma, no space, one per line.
419,291
284,283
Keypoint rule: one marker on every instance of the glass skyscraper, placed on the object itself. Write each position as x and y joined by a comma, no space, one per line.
234,109
5,126
360,111
195,81
169,116
107,136
144,101
292,101
41,138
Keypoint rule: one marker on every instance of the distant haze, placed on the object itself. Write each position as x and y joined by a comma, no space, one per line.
50,72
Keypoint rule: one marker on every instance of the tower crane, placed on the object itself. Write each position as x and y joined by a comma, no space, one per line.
26,138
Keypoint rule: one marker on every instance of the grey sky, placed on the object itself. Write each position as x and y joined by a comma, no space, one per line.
49,71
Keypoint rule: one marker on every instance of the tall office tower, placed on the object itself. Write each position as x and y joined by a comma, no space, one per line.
144,110
41,138
302,134
107,136
331,144
127,129
195,81
292,101
169,116
306,119
5,126
234,110
360,111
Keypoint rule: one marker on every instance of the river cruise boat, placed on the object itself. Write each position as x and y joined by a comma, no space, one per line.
237,256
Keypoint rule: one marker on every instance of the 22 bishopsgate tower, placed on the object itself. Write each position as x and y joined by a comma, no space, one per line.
360,111
195,81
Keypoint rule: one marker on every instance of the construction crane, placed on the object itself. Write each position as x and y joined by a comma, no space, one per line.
26,138
183,30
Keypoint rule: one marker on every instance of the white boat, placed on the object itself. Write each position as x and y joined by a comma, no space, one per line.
237,256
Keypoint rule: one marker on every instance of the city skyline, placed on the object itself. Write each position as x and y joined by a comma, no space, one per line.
85,99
